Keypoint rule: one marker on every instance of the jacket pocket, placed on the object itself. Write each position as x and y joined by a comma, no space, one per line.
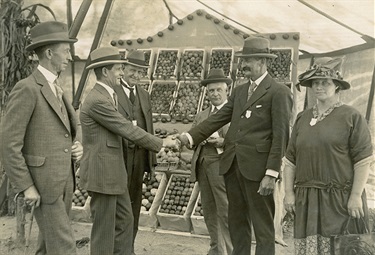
34,161
263,147
113,144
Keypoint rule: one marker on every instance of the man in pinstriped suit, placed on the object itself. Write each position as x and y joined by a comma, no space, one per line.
103,172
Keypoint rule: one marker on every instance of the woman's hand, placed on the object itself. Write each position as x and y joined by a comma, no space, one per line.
355,206
289,202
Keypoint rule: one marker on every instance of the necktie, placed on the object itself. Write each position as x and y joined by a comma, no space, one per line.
131,93
115,99
59,94
252,87
215,110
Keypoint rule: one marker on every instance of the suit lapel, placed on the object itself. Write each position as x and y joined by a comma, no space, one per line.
259,92
123,99
142,99
105,93
49,96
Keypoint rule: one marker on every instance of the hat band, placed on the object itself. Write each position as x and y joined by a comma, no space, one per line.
51,36
136,61
216,77
254,51
106,58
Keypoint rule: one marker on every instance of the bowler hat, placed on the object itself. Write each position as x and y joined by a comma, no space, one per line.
136,58
216,75
324,68
49,32
105,56
256,47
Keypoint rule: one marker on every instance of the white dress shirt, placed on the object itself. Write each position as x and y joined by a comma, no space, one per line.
51,77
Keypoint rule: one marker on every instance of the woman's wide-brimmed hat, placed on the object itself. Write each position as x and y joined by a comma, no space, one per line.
49,32
216,75
324,68
136,58
105,56
256,47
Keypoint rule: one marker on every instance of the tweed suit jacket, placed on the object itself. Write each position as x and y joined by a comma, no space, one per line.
197,151
36,139
103,127
145,102
259,129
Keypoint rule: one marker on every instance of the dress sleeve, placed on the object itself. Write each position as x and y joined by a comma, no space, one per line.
290,155
360,145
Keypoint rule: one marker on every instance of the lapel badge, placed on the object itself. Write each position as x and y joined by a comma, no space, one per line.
248,114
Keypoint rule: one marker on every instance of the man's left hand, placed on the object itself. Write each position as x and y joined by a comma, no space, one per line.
216,141
77,151
267,185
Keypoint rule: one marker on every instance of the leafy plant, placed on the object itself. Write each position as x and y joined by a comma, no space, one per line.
16,63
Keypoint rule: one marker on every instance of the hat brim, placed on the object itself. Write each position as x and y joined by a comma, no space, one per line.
308,82
105,63
40,43
137,65
262,55
208,81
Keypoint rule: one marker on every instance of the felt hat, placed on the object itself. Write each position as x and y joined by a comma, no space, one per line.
136,58
324,68
49,32
216,75
256,47
105,56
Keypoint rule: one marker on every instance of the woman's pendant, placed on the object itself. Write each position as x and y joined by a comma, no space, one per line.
313,121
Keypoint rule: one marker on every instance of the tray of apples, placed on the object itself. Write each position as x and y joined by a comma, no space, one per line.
222,58
193,62
166,64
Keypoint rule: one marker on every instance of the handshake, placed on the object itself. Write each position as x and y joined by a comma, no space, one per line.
176,141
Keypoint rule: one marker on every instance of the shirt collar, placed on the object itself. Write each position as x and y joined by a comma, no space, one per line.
219,106
51,77
261,78
127,86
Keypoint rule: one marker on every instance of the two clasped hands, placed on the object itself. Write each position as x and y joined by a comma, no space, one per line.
177,141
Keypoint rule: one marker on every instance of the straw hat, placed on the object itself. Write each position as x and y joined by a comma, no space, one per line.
325,68
256,47
136,58
49,32
105,56
216,75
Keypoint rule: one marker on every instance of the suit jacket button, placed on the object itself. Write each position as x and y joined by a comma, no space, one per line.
66,135
241,116
66,150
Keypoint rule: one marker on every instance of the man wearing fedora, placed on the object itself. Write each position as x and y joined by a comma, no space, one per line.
205,167
259,112
103,172
39,140
135,105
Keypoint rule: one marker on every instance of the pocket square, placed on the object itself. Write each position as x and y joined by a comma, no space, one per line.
258,106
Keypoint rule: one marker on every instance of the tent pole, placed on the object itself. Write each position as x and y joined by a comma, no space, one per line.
72,49
95,44
371,97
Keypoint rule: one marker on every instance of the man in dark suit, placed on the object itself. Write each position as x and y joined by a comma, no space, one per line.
205,167
39,140
259,112
135,105
103,172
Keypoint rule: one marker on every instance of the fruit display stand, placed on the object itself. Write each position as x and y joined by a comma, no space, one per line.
222,58
197,218
166,64
152,193
80,204
162,96
187,101
177,204
193,62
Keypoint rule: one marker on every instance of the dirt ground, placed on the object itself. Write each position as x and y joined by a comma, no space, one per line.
148,242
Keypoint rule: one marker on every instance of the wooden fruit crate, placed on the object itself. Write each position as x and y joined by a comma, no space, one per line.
166,64
162,95
193,62
198,223
281,67
222,58
148,218
177,222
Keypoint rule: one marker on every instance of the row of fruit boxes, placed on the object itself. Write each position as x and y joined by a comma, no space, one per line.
177,204
280,68
193,62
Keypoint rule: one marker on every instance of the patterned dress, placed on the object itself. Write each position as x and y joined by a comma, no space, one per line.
324,149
